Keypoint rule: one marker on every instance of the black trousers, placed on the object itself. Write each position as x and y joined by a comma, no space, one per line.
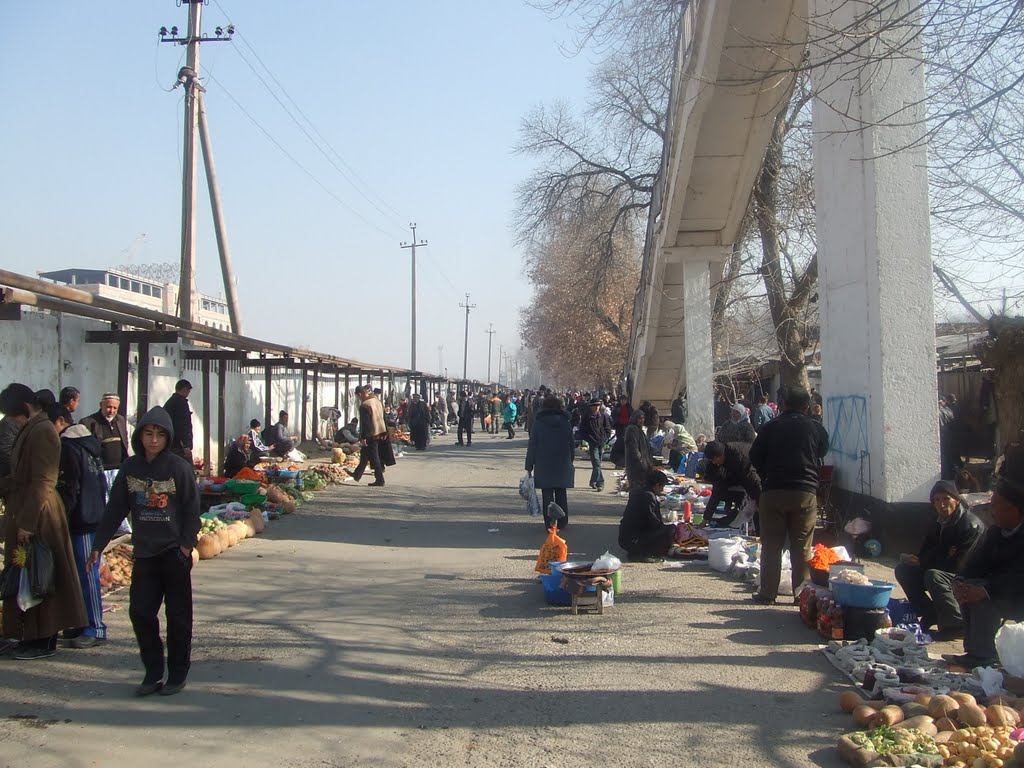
467,429
618,455
556,495
511,427
370,454
652,543
167,579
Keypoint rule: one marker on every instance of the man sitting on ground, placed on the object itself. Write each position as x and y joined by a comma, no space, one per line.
927,577
991,587
255,441
281,442
347,438
727,466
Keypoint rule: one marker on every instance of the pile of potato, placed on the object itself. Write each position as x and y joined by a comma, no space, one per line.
116,567
967,734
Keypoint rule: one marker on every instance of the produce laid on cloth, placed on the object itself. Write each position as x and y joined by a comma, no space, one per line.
954,730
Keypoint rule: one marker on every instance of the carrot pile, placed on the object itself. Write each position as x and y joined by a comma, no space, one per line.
822,558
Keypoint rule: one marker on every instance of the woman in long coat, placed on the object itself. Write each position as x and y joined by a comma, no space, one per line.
34,508
549,457
638,451
419,422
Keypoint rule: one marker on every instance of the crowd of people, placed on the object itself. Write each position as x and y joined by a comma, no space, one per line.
71,485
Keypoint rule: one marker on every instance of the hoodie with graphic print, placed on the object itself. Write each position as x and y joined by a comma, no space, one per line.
160,495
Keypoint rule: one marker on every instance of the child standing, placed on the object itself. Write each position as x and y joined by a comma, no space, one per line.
158,489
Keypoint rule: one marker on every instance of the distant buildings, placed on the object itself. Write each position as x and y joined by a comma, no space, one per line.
151,294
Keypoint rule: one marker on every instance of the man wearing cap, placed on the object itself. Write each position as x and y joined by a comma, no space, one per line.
372,432
111,430
927,577
178,409
990,588
595,428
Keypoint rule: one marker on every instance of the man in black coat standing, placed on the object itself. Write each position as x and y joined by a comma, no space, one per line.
178,409
787,454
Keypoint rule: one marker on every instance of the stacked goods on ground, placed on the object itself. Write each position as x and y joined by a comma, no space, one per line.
954,730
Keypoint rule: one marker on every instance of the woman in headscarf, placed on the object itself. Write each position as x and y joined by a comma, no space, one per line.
679,441
738,429
638,451
549,457
34,508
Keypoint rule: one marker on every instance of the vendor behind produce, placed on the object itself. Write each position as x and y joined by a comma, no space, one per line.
991,587
727,466
240,456
348,434
642,532
255,442
927,577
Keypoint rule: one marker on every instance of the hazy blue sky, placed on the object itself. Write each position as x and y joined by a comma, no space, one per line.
422,99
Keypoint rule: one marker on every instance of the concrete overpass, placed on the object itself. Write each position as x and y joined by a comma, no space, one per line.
733,74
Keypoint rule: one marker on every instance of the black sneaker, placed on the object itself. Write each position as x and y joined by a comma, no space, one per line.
146,688
172,688
31,653
762,599
85,641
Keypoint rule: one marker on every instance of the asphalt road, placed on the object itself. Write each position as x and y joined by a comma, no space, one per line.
402,626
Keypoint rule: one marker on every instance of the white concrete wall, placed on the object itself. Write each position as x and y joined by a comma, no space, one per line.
878,333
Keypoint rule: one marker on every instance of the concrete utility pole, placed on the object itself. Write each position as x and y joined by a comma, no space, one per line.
188,78
412,246
490,338
499,365
465,344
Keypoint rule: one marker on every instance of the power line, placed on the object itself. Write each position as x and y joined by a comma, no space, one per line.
302,128
297,164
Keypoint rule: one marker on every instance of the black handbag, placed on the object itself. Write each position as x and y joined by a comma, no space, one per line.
40,567
10,580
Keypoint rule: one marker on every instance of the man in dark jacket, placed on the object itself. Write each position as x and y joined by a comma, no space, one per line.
943,553
83,489
787,454
111,430
279,438
621,416
727,466
595,428
178,409
991,589
679,409
467,409
158,489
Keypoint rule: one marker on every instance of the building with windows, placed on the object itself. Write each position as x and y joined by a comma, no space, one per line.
123,286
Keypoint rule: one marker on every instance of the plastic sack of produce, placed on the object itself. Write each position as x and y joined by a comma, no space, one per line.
554,549
1010,645
607,562
528,492
721,553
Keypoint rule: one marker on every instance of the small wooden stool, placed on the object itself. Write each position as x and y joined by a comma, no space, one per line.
588,601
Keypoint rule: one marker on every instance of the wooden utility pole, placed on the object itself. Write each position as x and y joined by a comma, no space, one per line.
412,247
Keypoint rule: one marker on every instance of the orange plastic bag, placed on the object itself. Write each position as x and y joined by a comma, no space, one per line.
554,549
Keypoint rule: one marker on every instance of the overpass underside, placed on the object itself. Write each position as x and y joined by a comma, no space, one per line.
735,68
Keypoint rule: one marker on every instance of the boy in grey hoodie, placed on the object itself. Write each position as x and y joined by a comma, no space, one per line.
158,489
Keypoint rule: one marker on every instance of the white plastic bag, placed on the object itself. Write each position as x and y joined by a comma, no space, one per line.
607,562
26,599
722,551
1010,646
748,509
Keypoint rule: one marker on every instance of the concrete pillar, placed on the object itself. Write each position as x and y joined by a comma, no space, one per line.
878,326
698,365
